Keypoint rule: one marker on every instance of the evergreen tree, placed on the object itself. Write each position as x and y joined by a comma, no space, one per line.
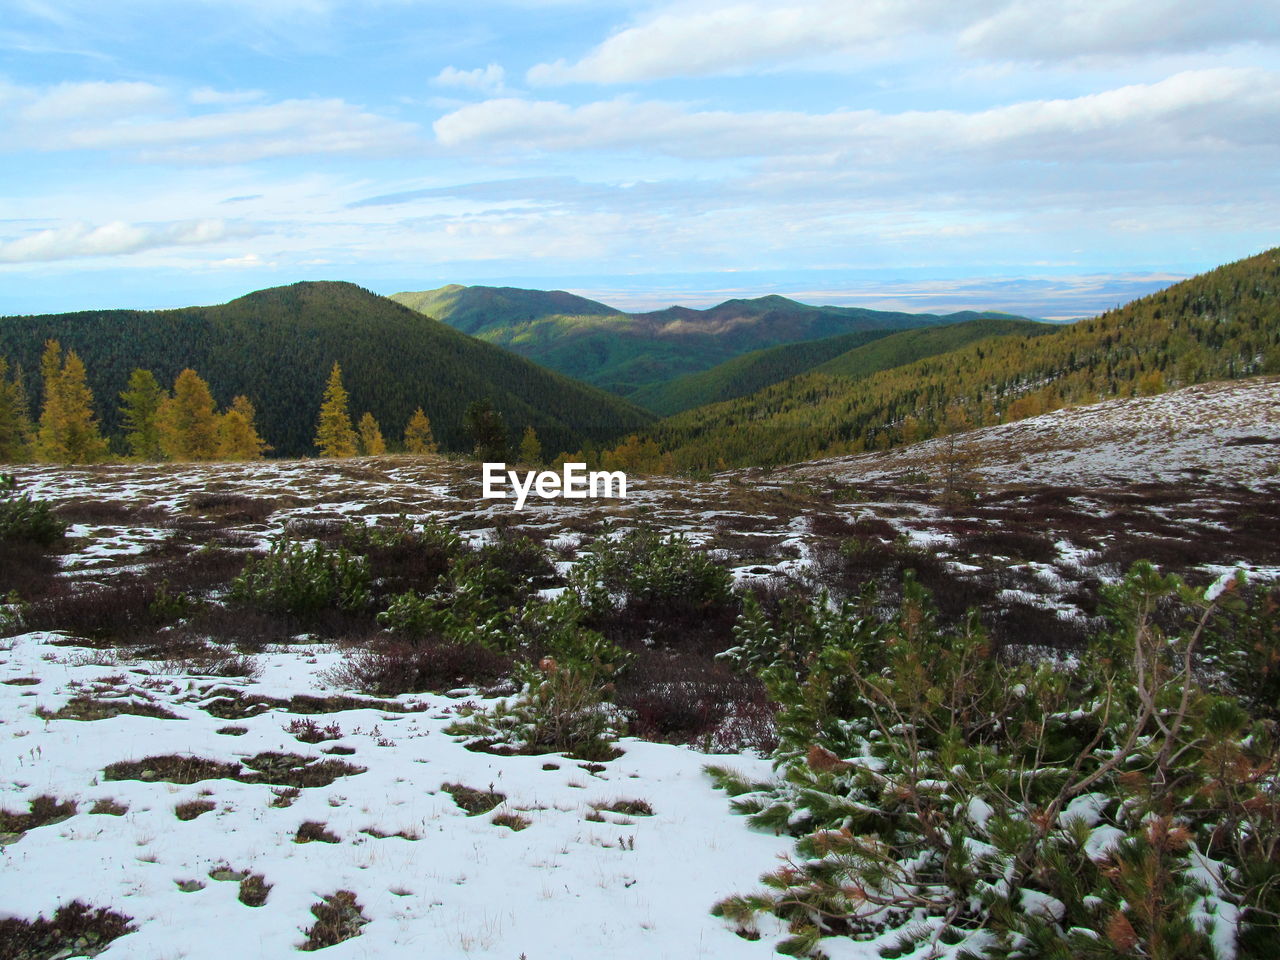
15,420
417,434
68,428
371,442
530,447
487,431
237,436
334,434
140,414
188,420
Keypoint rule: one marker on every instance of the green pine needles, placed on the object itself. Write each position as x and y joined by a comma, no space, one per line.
1120,803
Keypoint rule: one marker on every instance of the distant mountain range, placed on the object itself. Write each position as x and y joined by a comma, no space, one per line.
1221,325
851,355
631,354
277,346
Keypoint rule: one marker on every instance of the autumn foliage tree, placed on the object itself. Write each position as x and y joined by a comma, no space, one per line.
370,437
335,436
16,429
188,420
68,427
530,447
237,435
417,434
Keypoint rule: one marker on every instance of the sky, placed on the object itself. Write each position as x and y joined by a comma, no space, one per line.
1046,157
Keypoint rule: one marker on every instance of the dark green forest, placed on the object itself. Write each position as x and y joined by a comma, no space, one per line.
1219,325
277,347
633,353
857,354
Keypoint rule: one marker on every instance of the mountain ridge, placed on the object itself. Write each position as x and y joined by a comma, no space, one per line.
627,353
277,345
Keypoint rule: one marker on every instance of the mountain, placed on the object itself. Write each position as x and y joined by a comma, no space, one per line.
856,354
478,310
277,346
628,352
1221,325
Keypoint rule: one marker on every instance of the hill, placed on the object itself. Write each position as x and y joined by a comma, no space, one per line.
628,352
477,310
1223,324
856,354
276,346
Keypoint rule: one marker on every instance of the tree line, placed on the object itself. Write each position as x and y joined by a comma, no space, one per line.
182,424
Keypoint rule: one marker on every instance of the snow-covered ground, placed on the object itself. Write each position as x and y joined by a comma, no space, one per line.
573,884
1222,430
1191,473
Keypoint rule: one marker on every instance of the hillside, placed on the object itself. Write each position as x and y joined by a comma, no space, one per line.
276,346
628,352
857,354
477,310
1223,324
195,770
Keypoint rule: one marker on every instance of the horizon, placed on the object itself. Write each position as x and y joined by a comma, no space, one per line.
1040,158
1059,299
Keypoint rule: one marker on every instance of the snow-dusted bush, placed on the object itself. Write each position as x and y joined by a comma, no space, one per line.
25,519
948,802
292,578
648,573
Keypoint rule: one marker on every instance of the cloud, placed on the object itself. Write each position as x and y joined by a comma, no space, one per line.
692,39
1068,29
208,95
87,101
1193,112
116,238
490,79
695,40
147,121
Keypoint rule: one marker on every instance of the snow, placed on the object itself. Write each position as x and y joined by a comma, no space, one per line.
565,887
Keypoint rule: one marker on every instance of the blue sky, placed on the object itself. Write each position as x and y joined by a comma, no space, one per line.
1053,158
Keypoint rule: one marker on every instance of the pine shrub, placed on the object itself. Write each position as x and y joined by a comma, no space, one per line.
292,578
1121,804
25,519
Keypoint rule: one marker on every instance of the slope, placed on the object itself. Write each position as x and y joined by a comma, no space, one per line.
627,352
276,346
1223,324
848,355
477,310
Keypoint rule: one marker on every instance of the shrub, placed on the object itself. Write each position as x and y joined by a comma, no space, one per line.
73,926
338,917
560,710
1117,807
403,555
292,578
390,668
650,575
24,519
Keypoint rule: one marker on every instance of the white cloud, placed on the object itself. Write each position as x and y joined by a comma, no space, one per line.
113,239
81,101
695,40
1067,29
145,119
208,95
490,79
1199,111
719,37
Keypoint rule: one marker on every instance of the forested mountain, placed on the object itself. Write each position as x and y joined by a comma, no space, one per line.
277,347
1220,325
628,352
477,310
858,354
